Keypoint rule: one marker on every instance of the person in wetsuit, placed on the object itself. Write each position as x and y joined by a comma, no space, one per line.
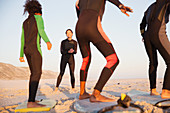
32,31
155,39
68,49
89,29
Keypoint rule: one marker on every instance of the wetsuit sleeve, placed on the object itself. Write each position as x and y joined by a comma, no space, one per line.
116,2
62,48
40,25
22,43
143,25
75,47
78,11
77,8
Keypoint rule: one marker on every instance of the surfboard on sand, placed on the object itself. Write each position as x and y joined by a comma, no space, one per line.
145,96
49,105
85,106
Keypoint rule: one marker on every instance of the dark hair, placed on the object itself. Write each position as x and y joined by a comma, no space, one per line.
69,30
32,6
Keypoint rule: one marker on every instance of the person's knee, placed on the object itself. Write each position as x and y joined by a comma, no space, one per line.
36,75
112,60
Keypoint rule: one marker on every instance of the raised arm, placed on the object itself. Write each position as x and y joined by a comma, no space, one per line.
116,2
124,9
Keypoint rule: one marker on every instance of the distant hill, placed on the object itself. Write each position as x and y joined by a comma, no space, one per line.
10,72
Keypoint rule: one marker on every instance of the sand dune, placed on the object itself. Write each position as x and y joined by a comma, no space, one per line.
10,72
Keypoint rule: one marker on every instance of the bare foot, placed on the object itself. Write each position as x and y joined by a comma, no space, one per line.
56,89
85,95
100,98
154,92
165,94
97,97
34,105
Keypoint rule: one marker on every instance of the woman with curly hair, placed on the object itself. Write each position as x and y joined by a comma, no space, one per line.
32,31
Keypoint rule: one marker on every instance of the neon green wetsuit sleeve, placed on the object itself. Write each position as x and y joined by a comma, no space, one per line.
40,25
22,43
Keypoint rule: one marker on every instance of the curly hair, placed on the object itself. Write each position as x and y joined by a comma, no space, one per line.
32,6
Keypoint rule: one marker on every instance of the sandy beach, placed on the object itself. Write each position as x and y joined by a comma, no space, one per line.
13,92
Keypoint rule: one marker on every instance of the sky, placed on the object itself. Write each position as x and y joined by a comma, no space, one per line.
60,15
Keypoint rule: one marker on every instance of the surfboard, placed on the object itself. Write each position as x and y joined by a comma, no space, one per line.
49,105
155,100
85,106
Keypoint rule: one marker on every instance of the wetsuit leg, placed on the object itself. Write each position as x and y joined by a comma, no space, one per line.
88,30
86,55
153,61
35,64
63,64
164,49
71,67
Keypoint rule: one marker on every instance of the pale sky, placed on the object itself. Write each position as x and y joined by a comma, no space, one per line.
60,15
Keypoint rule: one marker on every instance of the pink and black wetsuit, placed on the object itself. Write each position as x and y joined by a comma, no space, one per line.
89,29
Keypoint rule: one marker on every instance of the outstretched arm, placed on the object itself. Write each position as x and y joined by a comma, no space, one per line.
116,2
124,9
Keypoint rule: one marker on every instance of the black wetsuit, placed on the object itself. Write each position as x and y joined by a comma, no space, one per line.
66,57
155,38
32,31
89,29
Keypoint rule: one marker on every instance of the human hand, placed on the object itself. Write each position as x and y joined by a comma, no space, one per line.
21,59
125,9
71,50
49,45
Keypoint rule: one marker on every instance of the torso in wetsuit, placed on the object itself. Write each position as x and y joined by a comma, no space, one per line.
32,31
66,45
159,18
97,5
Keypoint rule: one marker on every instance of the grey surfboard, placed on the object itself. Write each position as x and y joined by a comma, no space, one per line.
85,106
